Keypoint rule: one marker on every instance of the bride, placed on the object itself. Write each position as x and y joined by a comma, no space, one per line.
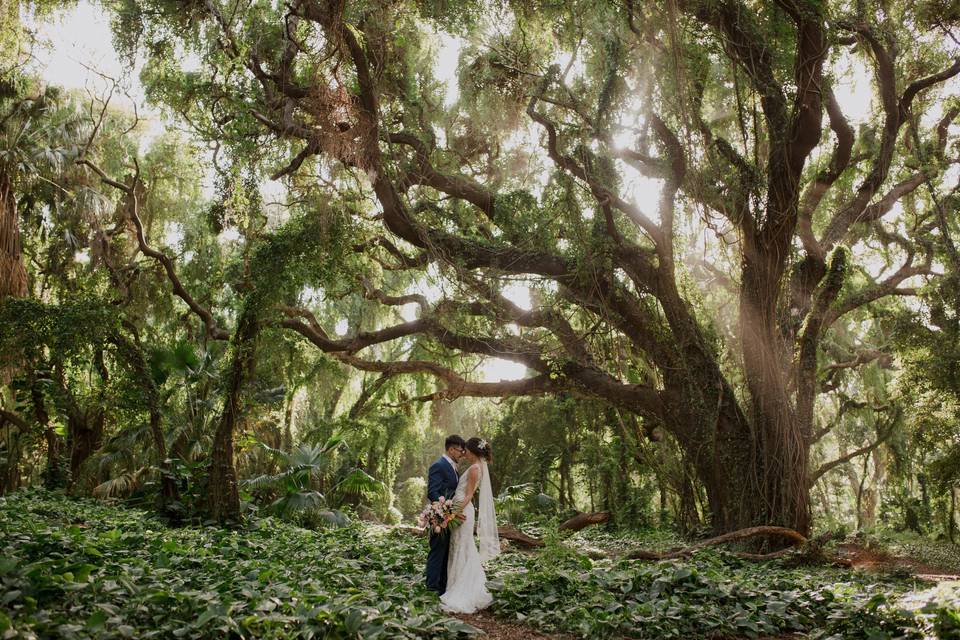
466,581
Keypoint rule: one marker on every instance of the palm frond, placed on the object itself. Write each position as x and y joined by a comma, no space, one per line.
334,518
123,485
359,482
297,475
298,501
515,494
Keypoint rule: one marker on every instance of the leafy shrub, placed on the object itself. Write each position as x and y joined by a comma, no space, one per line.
410,496
522,502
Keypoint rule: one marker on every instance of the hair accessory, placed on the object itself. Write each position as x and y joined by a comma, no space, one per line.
483,444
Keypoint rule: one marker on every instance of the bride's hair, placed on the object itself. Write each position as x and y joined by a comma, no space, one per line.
480,448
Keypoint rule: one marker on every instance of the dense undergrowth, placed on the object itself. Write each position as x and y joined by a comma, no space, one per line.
77,569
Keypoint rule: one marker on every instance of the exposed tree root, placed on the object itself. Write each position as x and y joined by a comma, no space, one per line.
811,549
742,534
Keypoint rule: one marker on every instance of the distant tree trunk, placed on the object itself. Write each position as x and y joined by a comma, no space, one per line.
566,490
85,433
664,506
13,273
871,496
133,354
54,467
286,440
223,496
13,428
824,499
953,514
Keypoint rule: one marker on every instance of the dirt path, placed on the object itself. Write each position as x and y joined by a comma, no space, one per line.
498,629
861,557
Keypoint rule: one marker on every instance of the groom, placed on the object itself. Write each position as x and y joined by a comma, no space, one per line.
442,481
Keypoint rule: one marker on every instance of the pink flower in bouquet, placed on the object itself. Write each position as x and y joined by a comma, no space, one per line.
440,516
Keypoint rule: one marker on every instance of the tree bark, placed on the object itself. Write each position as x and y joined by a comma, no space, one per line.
223,501
85,429
13,428
132,353
583,520
13,273
513,534
794,538
780,451
52,439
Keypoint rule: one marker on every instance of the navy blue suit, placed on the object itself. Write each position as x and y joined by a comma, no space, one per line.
442,481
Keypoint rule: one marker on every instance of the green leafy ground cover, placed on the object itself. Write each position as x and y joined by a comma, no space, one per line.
78,569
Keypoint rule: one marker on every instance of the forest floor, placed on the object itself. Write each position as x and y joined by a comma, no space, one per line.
80,569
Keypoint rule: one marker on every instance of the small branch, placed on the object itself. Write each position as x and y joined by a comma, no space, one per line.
14,419
132,194
812,479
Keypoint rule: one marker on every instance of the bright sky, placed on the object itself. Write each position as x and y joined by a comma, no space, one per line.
81,44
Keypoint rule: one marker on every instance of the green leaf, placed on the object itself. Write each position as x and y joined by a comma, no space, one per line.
96,620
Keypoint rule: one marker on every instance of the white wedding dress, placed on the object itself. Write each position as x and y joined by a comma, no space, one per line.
466,580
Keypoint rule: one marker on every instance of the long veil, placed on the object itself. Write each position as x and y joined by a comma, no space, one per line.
487,518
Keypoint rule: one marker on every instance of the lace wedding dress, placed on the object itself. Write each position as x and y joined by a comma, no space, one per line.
466,580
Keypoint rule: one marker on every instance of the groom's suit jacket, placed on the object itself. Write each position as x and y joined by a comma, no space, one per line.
441,481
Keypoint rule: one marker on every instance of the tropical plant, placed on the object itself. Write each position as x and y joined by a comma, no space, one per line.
293,484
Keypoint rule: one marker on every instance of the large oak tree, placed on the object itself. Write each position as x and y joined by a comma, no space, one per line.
755,180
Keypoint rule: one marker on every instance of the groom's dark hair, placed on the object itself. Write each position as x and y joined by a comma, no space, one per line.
453,441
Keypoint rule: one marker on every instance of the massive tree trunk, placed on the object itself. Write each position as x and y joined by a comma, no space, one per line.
223,497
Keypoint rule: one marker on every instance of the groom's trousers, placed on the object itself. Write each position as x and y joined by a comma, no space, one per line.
437,562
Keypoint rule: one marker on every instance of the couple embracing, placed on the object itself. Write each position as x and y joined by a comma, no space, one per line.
454,568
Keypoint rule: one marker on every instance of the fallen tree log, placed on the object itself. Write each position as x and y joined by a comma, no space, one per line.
583,520
513,534
795,538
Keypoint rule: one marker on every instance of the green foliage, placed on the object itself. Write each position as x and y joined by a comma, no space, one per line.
295,486
294,482
78,569
310,249
28,328
75,568
523,502
410,496
711,595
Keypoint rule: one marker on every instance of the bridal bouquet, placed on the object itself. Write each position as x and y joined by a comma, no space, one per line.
440,516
